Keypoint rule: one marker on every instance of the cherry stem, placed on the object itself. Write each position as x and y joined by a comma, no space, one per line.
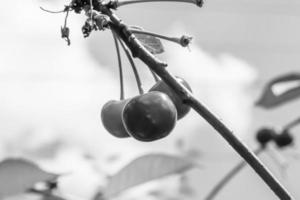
136,74
159,67
127,2
229,176
184,40
292,124
120,66
156,79
66,18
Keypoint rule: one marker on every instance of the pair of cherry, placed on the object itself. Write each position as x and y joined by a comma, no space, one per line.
266,135
147,117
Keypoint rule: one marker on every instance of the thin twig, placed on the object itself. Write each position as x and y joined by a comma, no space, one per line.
229,176
136,74
65,31
120,67
292,124
138,50
127,2
53,12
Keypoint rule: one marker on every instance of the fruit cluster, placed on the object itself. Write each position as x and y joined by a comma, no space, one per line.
78,5
146,117
266,135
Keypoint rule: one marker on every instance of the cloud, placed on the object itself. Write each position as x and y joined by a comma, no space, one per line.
220,81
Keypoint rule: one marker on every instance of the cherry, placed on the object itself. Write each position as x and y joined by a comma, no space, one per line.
150,116
182,109
265,135
284,139
111,116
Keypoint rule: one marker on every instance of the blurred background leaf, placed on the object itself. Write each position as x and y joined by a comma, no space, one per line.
19,175
151,43
144,169
280,90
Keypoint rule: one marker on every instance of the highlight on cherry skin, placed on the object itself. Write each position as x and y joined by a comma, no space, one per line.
111,116
150,116
182,109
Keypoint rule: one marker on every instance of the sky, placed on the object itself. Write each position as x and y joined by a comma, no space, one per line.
51,94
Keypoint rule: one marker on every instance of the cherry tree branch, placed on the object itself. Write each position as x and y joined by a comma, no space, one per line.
159,67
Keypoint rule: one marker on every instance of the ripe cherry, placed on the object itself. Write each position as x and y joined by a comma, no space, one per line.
182,109
284,139
111,116
150,116
265,135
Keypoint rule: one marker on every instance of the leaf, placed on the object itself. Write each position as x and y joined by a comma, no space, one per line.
280,90
144,169
151,43
52,197
19,175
